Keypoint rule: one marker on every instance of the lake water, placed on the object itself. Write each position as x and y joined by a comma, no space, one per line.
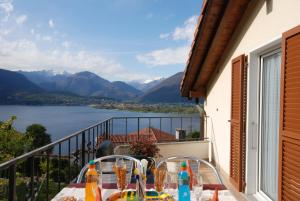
64,120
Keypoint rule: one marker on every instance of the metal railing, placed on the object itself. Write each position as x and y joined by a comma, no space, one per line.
46,170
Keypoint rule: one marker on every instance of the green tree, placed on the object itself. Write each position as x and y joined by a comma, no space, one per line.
38,134
12,142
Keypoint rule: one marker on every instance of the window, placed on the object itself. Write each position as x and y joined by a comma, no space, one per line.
269,124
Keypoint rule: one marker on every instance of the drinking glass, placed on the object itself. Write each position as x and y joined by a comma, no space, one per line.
120,171
159,178
197,186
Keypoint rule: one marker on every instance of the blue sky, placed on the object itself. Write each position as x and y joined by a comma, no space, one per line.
116,39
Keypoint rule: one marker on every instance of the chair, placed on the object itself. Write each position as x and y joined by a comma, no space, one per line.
105,167
173,167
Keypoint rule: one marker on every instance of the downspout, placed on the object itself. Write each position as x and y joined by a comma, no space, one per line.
203,128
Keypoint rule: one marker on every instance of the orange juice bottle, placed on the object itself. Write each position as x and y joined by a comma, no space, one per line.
190,172
92,191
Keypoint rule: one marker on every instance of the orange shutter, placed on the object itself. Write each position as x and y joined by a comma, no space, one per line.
289,128
238,120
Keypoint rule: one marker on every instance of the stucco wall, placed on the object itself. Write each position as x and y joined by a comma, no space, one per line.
190,148
258,27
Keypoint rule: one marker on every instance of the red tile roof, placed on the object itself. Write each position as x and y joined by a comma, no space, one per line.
150,134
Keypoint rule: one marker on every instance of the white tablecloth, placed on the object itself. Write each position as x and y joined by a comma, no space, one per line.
79,193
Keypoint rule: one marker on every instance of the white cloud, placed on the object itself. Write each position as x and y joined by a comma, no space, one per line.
164,35
66,44
32,31
21,19
6,6
186,32
171,56
47,38
24,54
51,23
166,56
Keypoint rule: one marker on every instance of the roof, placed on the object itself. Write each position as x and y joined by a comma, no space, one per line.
150,134
216,24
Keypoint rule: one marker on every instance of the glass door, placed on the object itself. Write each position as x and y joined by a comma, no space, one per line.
269,124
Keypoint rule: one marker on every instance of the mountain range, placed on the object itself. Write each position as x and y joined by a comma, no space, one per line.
86,85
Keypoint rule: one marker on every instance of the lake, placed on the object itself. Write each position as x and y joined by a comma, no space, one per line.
64,120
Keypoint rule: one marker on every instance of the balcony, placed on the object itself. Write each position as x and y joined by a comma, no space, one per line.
42,173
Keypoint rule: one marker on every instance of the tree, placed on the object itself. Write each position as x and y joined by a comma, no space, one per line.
12,142
38,134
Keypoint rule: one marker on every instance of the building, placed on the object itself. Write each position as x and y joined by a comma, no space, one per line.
150,134
245,63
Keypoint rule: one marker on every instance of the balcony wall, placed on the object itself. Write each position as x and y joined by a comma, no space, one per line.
198,149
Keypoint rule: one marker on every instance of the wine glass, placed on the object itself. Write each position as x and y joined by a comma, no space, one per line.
120,171
197,186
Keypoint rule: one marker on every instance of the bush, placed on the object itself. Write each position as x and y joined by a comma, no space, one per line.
144,148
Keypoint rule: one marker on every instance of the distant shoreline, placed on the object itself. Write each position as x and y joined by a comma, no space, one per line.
155,108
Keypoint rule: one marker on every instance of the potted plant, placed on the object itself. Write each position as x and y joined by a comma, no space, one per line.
145,149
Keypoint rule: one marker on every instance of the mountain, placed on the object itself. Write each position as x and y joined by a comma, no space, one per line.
167,91
12,83
126,87
145,86
83,84
38,77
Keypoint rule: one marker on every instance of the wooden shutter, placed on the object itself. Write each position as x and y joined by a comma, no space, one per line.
238,120
289,128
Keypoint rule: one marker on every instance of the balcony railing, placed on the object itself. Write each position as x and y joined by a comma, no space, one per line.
42,173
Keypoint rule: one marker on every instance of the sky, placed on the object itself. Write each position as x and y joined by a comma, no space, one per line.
128,40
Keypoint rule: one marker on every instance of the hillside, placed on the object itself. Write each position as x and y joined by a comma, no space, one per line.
166,91
84,84
145,86
12,83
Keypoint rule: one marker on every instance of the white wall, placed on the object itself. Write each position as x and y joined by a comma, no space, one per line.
257,28
190,148
198,149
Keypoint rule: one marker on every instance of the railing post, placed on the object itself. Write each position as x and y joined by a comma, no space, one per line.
171,125
138,129
59,165
159,125
112,125
47,176
126,129
93,139
106,130
83,149
149,125
69,157
32,178
12,183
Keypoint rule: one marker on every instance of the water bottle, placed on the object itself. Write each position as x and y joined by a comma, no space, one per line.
184,193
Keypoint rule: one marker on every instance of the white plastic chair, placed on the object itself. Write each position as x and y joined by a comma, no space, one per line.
173,166
104,166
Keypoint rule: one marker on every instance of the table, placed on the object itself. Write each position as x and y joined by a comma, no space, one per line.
78,191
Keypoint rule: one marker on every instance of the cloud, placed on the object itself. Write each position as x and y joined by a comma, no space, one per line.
166,56
186,32
171,56
51,23
6,6
66,44
21,19
164,35
47,38
24,54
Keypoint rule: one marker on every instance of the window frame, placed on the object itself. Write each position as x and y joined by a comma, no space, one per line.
252,122
261,66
